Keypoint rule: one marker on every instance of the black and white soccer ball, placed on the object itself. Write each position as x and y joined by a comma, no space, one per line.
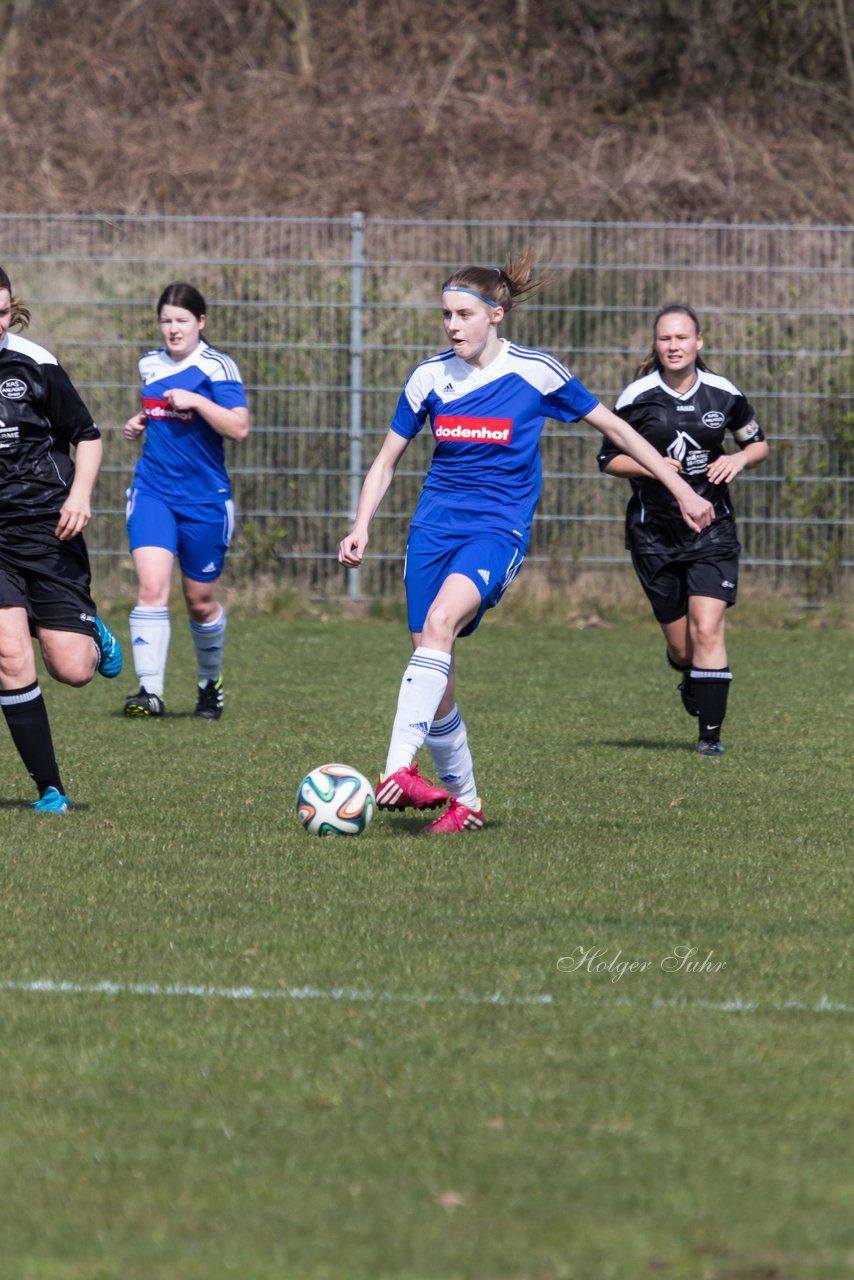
335,800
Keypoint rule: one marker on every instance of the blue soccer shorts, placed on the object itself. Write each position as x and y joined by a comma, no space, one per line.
490,561
199,535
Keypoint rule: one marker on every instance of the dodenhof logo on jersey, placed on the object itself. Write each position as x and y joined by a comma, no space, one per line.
163,409
13,389
450,426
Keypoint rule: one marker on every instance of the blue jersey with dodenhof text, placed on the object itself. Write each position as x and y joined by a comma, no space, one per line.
183,459
486,471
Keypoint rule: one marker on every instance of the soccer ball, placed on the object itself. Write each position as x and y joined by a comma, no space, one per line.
335,800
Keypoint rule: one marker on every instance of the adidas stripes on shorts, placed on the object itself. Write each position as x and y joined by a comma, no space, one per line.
490,561
198,534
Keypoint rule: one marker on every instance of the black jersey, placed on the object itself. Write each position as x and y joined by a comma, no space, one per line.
41,416
690,427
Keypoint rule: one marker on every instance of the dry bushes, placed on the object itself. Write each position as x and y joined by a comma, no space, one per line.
626,108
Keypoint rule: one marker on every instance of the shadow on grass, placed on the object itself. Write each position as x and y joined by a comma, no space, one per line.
414,824
164,719
645,744
23,805
16,804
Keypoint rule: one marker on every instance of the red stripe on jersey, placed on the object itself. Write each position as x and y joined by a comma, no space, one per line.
163,409
450,426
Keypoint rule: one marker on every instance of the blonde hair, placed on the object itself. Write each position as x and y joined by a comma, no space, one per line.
497,286
20,313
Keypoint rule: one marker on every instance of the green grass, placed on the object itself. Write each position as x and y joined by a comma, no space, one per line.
627,1127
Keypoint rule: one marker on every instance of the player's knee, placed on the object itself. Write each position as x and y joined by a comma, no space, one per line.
152,597
77,679
203,611
438,630
14,661
74,662
707,635
75,671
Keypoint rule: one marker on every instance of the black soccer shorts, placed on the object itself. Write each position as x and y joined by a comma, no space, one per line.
48,578
668,582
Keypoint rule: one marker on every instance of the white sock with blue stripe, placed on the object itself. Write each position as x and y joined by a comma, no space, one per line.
449,747
424,681
150,633
209,638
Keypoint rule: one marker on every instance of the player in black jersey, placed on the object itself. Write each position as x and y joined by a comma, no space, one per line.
45,504
685,411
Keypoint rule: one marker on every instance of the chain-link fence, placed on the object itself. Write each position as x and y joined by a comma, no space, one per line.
326,317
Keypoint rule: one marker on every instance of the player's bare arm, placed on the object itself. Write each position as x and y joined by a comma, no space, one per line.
351,549
696,511
729,465
76,511
233,424
628,469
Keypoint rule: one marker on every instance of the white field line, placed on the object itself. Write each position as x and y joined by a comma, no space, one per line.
355,995
346,995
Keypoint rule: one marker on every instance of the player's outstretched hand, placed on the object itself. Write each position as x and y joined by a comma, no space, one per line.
351,550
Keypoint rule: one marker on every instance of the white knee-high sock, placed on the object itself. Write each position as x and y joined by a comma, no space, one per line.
209,638
424,681
449,747
150,633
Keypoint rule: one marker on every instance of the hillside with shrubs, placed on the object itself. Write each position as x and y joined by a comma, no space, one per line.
626,109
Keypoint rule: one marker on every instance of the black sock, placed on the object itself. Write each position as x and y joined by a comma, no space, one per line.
26,716
710,689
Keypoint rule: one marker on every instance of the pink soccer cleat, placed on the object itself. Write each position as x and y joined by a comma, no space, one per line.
406,789
457,817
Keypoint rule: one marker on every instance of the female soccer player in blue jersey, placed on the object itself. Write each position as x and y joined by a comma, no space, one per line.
487,400
180,500
45,583
684,411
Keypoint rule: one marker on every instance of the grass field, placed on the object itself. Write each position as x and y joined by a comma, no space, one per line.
232,1049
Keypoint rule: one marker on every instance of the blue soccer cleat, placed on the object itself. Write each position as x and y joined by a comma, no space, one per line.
110,660
52,801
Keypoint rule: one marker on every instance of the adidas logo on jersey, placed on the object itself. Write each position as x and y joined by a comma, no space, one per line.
484,573
449,387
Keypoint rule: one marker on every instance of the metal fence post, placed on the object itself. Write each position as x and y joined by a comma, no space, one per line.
356,270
